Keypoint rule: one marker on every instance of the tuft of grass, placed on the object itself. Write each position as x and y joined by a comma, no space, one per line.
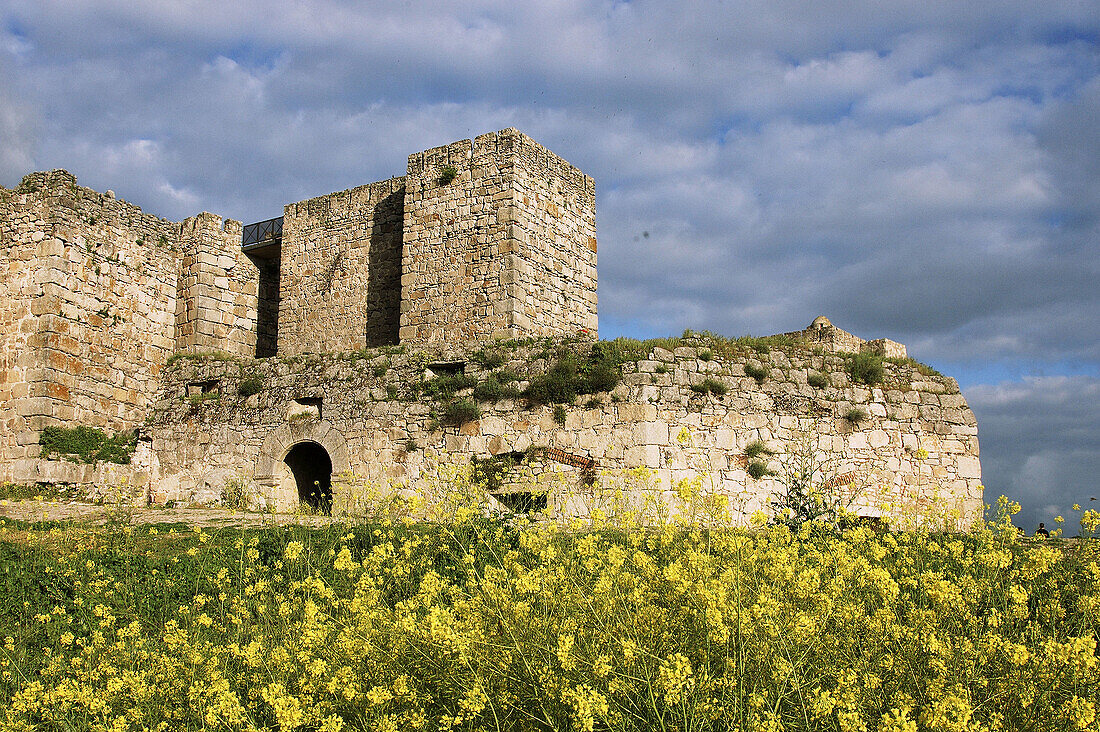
38,492
864,368
559,413
251,384
710,386
572,375
459,412
488,358
448,174
445,387
492,389
87,444
817,380
757,372
757,469
921,368
855,415
756,448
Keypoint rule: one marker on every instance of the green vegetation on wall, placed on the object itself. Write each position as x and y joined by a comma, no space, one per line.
572,375
864,368
87,445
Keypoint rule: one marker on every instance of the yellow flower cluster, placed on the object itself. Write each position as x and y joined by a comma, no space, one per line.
480,624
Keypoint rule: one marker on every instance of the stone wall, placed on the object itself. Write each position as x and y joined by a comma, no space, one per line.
506,249
89,310
340,285
554,227
456,282
912,449
216,302
97,295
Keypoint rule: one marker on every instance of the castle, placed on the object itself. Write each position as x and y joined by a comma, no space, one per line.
296,353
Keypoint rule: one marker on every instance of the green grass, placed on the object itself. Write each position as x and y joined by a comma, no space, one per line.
921,368
87,444
760,373
710,386
864,368
757,469
855,415
572,375
756,448
448,174
251,384
459,412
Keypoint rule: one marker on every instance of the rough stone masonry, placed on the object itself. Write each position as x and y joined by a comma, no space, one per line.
296,355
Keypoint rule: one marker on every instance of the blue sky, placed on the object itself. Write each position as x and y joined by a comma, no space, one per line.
927,172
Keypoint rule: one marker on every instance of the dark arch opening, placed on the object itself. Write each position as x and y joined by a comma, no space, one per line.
312,469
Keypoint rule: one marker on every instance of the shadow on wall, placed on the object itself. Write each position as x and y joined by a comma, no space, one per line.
384,265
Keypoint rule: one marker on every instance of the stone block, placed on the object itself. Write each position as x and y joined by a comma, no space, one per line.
651,433
968,466
878,438
636,412
642,456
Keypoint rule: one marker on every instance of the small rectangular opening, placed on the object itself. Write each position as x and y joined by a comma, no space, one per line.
522,501
311,404
446,368
198,388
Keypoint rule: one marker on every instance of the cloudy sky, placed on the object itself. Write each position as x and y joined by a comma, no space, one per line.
926,171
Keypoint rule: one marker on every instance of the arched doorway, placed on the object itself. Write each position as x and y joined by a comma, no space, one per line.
312,469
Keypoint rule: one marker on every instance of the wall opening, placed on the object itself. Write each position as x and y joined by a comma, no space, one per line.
263,243
267,308
198,388
312,468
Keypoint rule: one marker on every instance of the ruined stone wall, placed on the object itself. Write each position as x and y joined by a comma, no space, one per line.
827,336
89,302
217,292
505,249
340,285
914,450
22,221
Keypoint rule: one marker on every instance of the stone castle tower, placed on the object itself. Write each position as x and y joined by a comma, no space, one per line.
487,238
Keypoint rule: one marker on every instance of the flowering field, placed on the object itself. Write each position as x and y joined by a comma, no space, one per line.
478,625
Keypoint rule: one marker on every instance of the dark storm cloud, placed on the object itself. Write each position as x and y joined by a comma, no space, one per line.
1039,445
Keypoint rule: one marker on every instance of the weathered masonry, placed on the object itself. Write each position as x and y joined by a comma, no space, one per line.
300,359
487,238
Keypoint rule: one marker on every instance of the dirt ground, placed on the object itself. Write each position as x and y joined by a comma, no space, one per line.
100,515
